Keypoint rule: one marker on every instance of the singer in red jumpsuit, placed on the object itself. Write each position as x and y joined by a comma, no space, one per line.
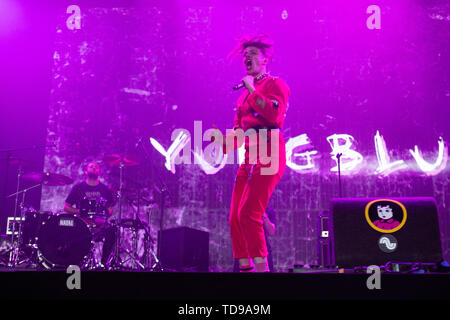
262,105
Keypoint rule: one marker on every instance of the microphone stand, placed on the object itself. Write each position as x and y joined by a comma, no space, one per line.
338,156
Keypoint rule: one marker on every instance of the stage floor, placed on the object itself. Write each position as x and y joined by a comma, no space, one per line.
220,287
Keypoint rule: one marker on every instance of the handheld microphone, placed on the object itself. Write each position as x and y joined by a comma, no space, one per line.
239,86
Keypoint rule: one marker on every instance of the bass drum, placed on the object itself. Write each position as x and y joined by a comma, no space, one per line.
63,240
33,222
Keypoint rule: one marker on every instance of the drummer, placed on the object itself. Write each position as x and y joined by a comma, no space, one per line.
93,190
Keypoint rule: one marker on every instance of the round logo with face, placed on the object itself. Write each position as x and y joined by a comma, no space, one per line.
386,215
387,243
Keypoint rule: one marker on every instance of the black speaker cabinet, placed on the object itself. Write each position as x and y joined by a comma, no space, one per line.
374,231
184,249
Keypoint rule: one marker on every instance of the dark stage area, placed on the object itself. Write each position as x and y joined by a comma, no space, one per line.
222,287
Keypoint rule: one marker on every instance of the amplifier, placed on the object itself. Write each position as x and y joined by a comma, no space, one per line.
184,249
374,231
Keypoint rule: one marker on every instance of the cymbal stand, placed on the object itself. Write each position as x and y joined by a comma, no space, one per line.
148,245
161,217
116,262
164,191
149,242
15,239
132,255
15,252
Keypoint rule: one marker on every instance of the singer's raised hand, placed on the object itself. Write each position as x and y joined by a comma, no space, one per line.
249,83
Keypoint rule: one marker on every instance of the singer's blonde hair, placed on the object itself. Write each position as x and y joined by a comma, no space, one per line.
261,41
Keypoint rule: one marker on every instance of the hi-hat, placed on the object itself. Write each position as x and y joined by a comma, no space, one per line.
47,178
121,159
130,223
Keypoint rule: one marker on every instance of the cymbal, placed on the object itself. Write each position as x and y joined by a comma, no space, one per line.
47,178
118,159
17,161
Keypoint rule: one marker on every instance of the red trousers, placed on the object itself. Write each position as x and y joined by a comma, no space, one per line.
252,190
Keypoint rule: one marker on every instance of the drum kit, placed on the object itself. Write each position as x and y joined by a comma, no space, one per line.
55,241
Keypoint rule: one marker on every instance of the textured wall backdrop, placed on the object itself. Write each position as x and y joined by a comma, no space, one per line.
132,73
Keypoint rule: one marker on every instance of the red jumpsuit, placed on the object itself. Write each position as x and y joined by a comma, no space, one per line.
264,108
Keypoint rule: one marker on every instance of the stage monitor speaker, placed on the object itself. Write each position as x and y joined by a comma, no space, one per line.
184,249
374,231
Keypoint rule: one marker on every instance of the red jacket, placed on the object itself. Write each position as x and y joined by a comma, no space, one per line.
266,107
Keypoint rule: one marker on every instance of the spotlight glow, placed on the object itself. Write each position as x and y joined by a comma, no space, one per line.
10,17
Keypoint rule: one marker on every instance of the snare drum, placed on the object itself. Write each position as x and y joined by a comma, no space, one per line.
63,240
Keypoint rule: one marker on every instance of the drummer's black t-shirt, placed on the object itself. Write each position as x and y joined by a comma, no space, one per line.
83,190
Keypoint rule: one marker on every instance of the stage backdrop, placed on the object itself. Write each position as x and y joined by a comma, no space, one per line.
367,78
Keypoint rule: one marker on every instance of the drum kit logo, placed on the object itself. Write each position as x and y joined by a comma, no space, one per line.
66,222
